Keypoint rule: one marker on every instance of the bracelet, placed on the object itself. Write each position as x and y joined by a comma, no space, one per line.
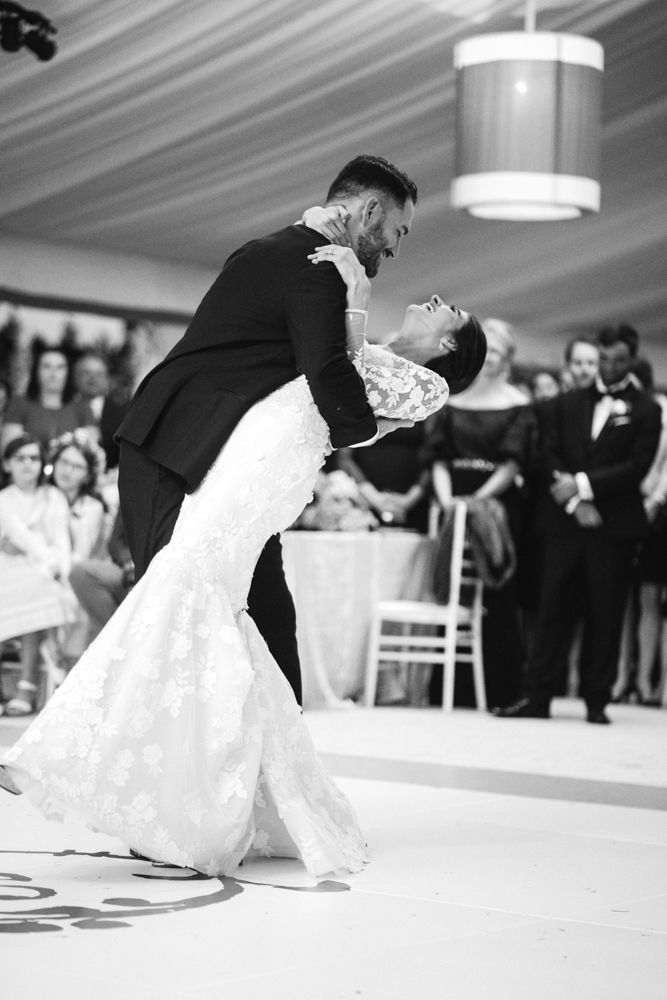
361,312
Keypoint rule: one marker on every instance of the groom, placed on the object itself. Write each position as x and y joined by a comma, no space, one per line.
270,316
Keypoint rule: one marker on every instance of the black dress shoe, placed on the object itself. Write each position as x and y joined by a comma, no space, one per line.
598,717
7,783
525,708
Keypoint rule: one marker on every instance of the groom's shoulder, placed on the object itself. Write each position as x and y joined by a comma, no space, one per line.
276,257
290,243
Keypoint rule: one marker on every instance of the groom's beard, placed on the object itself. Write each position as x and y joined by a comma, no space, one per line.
370,248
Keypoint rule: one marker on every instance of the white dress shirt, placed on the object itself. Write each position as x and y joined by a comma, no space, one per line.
601,414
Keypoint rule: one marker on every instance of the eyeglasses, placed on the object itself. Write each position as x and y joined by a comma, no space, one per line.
64,463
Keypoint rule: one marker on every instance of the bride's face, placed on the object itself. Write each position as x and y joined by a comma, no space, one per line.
437,318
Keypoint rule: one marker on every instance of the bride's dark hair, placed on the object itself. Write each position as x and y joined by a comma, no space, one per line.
461,367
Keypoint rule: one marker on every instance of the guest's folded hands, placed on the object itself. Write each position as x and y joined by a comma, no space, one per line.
563,488
587,515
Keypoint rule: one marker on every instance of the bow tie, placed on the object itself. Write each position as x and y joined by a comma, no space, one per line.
612,393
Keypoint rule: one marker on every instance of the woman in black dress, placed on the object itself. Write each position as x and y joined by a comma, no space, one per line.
391,477
478,446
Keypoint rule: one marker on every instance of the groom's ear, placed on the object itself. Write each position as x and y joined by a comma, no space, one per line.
372,211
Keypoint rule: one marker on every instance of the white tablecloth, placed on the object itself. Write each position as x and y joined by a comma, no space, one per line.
336,577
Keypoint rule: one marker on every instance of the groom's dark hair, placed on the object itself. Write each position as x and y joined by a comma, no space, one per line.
373,173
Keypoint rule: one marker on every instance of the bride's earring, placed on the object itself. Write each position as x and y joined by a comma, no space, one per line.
448,343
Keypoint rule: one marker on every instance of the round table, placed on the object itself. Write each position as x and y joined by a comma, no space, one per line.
336,577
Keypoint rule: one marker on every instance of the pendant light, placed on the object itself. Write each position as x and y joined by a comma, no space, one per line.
528,124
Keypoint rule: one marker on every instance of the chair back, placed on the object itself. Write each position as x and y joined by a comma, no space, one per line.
465,587
456,567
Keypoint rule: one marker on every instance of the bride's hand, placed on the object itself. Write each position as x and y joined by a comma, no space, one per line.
330,222
386,425
351,271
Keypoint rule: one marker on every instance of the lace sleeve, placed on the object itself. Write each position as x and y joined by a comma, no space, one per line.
397,388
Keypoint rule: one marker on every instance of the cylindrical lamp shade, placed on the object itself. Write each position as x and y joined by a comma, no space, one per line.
528,126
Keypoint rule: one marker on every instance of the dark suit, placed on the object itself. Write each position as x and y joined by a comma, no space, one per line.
599,558
270,316
110,420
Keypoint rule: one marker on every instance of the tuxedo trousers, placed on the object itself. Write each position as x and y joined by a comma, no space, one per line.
150,501
590,562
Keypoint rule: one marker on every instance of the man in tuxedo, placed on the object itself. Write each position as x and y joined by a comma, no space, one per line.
270,316
582,361
598,444
91,377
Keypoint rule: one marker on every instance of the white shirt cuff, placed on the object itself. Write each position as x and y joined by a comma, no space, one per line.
583,486
365,444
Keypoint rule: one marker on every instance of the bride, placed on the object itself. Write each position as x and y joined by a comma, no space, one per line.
177,731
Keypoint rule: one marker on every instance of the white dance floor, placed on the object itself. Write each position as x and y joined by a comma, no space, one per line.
470,894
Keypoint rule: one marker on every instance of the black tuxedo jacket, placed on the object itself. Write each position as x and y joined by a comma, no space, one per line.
615,463
269,317
110,420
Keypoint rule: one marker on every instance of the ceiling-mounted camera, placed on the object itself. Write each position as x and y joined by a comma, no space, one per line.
21,28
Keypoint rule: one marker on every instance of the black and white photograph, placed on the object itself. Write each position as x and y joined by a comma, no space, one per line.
333,499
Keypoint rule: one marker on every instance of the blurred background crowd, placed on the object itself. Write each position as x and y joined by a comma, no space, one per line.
65,565
490,445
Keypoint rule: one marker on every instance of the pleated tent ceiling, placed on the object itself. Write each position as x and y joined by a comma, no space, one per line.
178,130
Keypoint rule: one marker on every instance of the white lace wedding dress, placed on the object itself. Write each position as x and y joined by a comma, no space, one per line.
177,731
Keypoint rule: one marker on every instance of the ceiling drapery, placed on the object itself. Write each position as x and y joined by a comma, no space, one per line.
178,130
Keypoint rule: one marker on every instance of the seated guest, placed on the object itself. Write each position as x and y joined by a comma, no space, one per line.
391,478
478,447
582,359
93,385
543,386
77,461
101,585
48,409
598,444
35,555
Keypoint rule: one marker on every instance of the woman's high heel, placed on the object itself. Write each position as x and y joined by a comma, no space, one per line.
21,706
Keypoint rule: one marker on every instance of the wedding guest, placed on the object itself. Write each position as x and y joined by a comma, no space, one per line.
391,478
5,397
543,386
94,386
35,555
479,446
102,584
599,443
582,360
581,367
644,612
77,462
48,409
